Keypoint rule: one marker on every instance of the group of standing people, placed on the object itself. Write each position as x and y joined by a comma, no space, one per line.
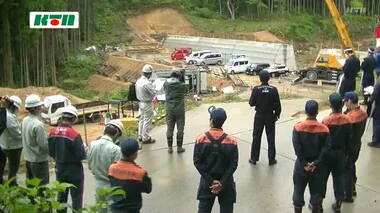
111,165
330,147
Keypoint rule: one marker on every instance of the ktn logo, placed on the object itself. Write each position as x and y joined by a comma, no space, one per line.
54,20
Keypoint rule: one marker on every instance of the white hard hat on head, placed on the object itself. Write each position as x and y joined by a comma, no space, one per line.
116,123
70,111
147,68
16,101
33,100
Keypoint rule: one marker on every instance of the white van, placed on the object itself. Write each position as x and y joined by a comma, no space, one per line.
191,59
237,65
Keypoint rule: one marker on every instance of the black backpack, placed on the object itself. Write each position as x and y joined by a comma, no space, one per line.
3,119
132,93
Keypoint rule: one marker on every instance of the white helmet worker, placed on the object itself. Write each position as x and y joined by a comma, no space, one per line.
16,101
147,68
116,123
70,112
33,100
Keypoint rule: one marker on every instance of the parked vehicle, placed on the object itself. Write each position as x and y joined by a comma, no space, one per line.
278,70
238,65
255,68
180,53
53,106
237,55
210,59
191,59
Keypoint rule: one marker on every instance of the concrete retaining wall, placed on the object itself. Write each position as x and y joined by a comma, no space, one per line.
255,51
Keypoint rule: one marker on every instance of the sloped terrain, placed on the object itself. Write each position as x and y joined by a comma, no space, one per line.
170,21
103,84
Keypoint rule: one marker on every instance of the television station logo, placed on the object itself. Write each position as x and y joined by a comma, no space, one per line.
53,20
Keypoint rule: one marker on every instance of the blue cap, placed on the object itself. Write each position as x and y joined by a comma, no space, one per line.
311,107
336,100
218,116
351,96
129,146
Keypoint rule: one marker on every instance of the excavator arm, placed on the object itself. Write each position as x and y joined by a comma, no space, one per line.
340,27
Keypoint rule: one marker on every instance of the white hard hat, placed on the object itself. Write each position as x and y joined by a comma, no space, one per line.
348,50
69,111
116,123
147,68
33,100
16,101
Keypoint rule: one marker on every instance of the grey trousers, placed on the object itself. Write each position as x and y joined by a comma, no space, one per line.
38,170
171,122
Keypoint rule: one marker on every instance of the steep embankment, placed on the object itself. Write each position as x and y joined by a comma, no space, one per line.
171,21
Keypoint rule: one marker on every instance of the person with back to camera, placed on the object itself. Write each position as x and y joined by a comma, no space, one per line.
311,142
11,139
130,177
102,153
67,149
340,129
266,100
358,120
216,159
35,143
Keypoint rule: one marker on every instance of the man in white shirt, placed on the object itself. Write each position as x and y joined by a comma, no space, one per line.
145,93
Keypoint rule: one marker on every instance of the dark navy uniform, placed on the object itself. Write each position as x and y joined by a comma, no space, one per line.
311,142
266,100
358,120
376,117
216,159
341,141
368,67
350,70
67,149
131,178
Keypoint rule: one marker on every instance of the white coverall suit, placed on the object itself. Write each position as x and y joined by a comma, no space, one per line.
145,93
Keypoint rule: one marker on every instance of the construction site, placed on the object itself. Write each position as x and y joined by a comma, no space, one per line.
219,69
157,33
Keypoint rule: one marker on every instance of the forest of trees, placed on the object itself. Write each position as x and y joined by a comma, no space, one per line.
36,57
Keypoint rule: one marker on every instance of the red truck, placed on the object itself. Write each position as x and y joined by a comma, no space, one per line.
180,53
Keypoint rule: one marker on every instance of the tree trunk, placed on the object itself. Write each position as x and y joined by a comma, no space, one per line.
7,49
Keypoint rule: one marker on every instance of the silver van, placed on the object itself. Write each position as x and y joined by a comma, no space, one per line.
210,58
190,59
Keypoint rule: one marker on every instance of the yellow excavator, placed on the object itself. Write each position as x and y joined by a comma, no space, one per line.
328,66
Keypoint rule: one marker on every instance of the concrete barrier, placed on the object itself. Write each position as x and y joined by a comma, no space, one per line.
261,52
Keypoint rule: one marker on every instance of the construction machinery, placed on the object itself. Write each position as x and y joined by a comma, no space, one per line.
328,66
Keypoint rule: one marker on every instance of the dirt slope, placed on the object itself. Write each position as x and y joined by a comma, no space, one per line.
170,21
41,91
104,84
131,68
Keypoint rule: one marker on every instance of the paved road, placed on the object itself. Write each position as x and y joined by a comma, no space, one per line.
260,188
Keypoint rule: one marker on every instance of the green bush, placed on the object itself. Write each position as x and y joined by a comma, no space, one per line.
34,198
302,29
204,12
118,95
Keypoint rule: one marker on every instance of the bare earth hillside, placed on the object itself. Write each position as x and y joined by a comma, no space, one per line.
170,21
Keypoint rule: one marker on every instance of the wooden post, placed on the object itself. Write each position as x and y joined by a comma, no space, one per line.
84,125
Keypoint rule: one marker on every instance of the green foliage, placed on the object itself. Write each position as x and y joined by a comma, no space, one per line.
78,69
118,95
34,198
302,28
204,12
